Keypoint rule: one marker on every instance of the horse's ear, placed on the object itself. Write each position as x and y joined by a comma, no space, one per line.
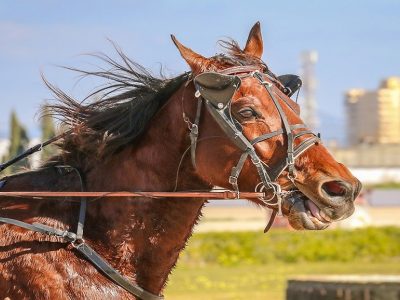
194,60
254,45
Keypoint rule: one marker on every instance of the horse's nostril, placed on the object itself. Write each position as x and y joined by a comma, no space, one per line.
358,188
335,188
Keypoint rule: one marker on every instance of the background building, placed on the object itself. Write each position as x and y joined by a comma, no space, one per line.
373,117
309,103
373,133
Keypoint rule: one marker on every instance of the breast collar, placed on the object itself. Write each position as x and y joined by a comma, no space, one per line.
217,89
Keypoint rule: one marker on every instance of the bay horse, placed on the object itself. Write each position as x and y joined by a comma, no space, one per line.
135,137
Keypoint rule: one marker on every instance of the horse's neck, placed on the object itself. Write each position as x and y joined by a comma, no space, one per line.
147,235
140,237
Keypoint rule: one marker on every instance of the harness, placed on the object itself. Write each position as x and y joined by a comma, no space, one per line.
215,90
77,241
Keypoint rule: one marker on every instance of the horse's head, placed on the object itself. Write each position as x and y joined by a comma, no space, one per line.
252,135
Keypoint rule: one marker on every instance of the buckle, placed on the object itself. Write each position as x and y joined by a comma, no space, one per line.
232,179
290,160
256,160
194,129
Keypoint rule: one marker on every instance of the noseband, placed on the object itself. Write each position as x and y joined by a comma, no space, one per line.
217,90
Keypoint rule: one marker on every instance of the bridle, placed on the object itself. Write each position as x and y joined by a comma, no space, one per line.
217,90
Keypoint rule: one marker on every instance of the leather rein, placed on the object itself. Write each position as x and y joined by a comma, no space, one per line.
221,113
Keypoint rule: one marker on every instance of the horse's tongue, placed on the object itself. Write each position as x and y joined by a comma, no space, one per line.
314,209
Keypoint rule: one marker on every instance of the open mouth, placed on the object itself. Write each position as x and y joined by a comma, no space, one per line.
303,213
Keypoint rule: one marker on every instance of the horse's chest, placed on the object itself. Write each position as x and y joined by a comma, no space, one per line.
48,270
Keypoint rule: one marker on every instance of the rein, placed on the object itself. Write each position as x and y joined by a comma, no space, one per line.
223,195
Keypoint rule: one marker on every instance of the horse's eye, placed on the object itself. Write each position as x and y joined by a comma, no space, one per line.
247,113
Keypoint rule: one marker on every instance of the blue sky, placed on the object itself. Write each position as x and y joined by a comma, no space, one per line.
358,43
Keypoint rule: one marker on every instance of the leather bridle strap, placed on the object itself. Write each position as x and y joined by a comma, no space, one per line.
77,241
221,117
221,114
274,212
32,150
301,148
238,70
194,131
243,71
233,178
115,276
38,227
89,253
278,132
286,125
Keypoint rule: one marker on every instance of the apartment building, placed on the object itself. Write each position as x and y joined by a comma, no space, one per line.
373,117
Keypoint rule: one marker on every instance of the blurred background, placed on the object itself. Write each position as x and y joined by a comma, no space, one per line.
347,53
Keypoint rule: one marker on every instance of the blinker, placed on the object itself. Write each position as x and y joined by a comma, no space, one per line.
291,83
217,88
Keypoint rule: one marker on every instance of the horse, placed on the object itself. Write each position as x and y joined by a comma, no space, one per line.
137,135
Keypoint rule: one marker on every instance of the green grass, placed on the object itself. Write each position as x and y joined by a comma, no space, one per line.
251,265
254,248
268,281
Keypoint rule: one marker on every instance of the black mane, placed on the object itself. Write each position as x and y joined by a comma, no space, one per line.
124,105
121,111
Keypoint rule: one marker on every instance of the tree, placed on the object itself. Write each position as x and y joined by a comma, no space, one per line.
19,142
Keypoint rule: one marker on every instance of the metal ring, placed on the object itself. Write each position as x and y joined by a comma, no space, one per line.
77,243
233,179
